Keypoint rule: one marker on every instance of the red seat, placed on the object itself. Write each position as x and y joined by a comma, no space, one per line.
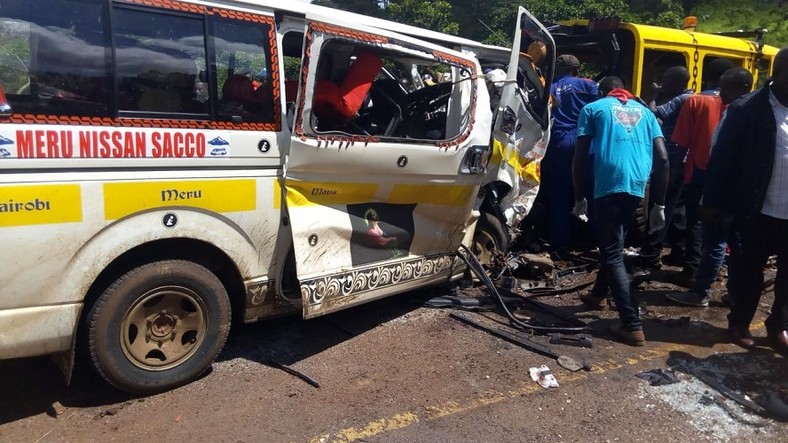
346,99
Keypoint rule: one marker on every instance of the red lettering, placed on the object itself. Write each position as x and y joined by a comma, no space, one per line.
105,148
140,144
24,144
52,144
178,144
189,144
167,150
200,144
66,144
40,144
85,144
117,145
155,137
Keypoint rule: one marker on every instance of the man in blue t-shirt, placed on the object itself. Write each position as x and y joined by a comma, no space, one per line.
627,141
569,94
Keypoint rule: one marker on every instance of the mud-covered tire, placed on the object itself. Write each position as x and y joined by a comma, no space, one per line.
158,326
489,239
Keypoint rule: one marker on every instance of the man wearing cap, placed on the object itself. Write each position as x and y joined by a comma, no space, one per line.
570,93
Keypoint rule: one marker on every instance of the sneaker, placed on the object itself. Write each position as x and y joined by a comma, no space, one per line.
593,302
688,298
632,338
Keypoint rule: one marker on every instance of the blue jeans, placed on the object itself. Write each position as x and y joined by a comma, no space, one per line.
613,215
556,169
716,238
651,250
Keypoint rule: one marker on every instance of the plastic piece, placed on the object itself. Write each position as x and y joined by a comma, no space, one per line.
543,376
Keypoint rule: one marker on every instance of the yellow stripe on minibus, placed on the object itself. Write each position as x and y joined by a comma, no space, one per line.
443,195
40,205
122,199
327,193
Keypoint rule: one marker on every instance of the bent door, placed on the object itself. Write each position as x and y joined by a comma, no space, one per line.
382,171
521,130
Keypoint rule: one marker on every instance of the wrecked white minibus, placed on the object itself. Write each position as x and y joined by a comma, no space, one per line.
170,167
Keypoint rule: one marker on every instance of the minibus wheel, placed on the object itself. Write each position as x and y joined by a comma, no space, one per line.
489,239
158,326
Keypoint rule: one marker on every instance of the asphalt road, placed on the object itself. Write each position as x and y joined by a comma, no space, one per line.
394,370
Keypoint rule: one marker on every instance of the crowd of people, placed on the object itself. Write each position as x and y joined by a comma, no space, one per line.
723,152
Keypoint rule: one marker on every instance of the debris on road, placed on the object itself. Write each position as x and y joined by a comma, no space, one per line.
579,340
523,342
544,376
294,372
659,377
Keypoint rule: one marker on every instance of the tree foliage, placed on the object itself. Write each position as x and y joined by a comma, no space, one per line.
430,14
492,21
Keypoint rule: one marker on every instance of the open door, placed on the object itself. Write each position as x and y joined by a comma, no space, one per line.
521,130
382,171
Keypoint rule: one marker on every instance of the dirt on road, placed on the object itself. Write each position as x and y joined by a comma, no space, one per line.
394,370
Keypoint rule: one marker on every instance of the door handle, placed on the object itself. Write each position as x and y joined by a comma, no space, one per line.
476,159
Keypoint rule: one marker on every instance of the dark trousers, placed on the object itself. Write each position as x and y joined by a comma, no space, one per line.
761,236
613,214
652,248
556,173
693,193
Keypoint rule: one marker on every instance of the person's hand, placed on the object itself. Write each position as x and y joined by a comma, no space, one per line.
656,219
581,210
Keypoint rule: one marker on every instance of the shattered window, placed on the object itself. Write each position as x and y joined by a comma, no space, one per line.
364,90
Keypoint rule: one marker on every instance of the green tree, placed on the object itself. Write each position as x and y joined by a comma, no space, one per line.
430,14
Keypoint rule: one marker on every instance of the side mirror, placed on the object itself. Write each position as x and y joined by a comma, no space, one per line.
5,108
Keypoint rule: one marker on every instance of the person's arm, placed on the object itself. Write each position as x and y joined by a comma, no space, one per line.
725,158
683,132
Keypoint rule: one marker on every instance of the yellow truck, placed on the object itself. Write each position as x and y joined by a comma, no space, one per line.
640,54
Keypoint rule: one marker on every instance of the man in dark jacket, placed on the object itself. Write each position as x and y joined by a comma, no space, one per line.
747,176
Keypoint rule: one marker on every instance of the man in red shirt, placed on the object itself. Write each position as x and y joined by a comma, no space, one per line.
695,126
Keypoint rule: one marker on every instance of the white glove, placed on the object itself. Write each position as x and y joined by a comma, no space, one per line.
656,219
581,210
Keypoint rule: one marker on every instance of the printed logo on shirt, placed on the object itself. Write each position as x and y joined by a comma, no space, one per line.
628,117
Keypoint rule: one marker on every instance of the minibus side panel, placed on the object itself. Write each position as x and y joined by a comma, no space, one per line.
374,214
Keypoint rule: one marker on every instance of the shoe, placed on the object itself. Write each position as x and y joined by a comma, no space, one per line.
688,298
593,302
740,335
638,272
778,340
632,338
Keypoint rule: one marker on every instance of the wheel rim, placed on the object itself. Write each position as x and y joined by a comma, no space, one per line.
163,328
485,247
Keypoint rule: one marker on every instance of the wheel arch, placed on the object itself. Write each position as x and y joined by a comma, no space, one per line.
208,239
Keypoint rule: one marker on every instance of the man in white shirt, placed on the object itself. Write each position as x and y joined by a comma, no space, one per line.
747,176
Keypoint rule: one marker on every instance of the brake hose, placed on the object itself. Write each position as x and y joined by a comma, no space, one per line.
477,268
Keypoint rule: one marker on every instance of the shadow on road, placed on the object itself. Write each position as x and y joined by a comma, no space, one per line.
34,386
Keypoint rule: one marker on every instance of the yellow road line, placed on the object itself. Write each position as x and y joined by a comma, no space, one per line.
451,407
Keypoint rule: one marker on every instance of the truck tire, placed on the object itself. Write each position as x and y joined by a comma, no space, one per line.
159,326
489,239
